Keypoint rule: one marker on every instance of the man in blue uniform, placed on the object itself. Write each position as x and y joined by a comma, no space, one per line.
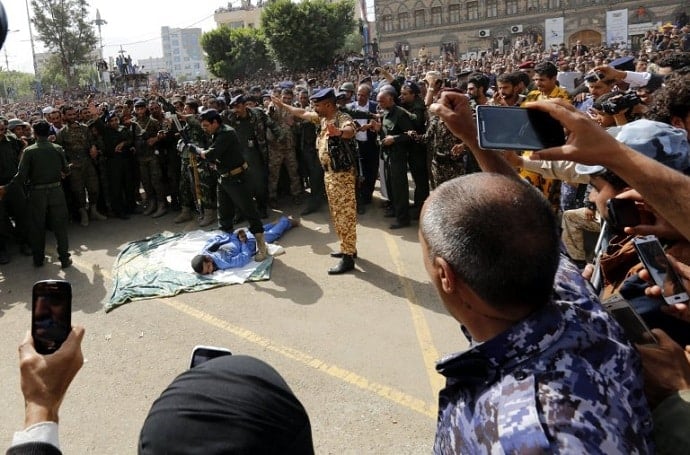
230,250
547,371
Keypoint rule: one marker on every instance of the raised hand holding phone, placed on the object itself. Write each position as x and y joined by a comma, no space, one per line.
660,270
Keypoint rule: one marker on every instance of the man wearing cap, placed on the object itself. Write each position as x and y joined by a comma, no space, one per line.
340,183
348,88
282,151
13,205
251,126
148,156
41,169
234,189
80,150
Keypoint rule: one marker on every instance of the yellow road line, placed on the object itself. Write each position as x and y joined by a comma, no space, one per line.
426,343
382,390
344,375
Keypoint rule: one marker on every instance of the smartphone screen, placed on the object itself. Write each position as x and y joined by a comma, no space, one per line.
516,128
201,354
51,314
654,258
623,212
631,322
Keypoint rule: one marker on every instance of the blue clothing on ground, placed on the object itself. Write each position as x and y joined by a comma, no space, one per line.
228,252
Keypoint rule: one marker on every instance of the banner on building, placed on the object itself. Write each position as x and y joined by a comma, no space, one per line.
617,27
553,33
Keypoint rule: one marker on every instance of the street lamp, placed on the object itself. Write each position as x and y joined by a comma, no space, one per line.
7,62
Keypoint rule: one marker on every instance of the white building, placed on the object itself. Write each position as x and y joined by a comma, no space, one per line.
182,53
152,65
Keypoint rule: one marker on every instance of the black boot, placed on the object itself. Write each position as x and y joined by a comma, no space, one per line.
347,263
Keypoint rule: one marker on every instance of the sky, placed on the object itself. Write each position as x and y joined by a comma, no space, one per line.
133,24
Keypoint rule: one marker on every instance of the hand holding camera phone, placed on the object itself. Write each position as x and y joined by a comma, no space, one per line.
201,354
516,128
623,213
661,270
631,322
51,314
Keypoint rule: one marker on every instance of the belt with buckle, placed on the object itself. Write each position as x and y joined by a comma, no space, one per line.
236,171
46,186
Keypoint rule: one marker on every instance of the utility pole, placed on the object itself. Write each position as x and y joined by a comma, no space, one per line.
99,22
39,89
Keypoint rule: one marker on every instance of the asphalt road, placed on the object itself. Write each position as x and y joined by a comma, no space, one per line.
358,350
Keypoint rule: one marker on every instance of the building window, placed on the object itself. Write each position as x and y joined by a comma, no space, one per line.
403,21
387,21
491,8
511,7
419,20
472,11
436,15
554,4
454,13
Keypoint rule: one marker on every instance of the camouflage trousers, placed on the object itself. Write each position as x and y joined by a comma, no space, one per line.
342,202
152,178
446,168
277,155
208,183
82,178
574,225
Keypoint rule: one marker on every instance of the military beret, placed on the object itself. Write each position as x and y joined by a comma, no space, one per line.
237,100
323,94
341,95
255,88
528,65
210,115
286,84
110,115
139,102
265,94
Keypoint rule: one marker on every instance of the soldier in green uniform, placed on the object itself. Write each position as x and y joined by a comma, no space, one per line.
80,150
234,190
150,169
14,204
251,125
208,177
41,169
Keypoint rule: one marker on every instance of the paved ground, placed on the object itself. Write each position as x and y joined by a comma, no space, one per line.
358,350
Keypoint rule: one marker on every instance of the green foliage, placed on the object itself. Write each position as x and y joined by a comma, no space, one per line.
353,43
63,26
307,34
17,85
235,53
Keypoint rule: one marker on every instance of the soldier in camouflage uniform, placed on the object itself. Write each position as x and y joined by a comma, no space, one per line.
448,154
340,184
79,147
548,370
208,177
251,126
282,150
150,170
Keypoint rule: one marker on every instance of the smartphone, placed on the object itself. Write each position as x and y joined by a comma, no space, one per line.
51,314
631,322
663,274
517,128
201,354
623,212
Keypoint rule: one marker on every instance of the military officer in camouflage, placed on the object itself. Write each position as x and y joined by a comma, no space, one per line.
340,184
41,170
547,371
148,156
81,151
282,151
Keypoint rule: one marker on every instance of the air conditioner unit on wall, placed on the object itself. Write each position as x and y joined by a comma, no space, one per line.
483,33
516,29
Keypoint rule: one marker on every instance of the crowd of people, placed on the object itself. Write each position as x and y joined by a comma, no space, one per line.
548,369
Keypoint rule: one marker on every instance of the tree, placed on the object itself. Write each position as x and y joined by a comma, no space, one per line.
307,34
235,53
15,86
63,27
